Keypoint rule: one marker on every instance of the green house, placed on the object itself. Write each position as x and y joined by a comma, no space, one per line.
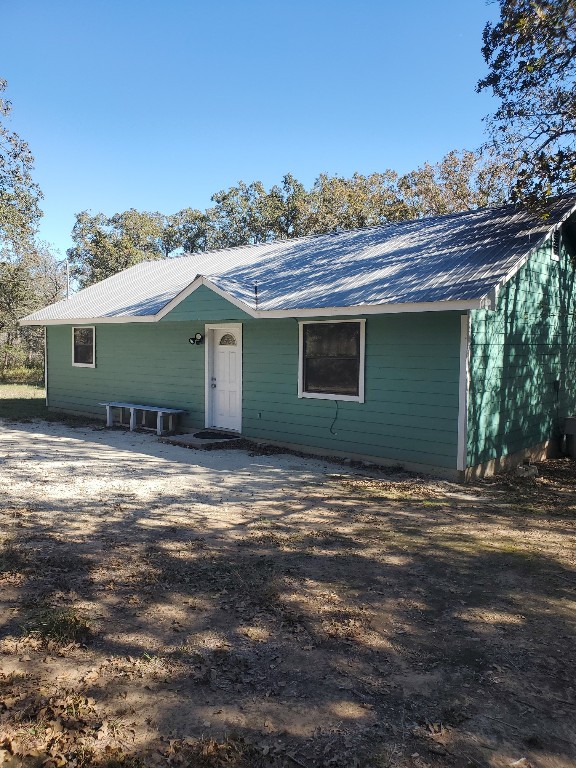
444,345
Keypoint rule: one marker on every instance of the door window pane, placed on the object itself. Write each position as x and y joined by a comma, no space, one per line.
228,340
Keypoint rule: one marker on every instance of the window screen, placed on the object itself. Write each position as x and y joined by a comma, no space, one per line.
83,346
332,358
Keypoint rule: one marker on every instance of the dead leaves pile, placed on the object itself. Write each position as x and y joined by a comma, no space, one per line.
551,493
413,489
208,753
55,731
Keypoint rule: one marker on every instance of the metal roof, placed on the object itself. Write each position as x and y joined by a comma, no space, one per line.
455,258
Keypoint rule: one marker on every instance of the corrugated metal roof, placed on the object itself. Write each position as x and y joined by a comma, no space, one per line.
446,258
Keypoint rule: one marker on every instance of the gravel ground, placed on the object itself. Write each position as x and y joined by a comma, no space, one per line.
165,606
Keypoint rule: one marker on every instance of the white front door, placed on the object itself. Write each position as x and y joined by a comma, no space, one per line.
224,383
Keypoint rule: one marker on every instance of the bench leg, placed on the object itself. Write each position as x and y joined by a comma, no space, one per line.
109,420
171,423
159,423
132,419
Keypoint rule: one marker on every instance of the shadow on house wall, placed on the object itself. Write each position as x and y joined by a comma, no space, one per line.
522,361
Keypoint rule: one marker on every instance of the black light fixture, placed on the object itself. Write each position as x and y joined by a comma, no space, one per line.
196,339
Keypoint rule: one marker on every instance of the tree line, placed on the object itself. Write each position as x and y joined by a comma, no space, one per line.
30,276
529,156
250,213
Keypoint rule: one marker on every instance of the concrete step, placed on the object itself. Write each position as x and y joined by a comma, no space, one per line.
190,440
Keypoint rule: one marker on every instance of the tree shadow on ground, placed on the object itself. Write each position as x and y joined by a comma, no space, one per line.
347,619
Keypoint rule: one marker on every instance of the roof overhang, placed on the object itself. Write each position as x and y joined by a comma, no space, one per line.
247,306
357,309
91,320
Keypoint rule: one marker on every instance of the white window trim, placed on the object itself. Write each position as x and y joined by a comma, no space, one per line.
93,363
321,395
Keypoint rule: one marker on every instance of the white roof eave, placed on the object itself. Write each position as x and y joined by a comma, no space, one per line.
360,309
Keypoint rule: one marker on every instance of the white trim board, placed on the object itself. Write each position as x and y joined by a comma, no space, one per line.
84,365
91,320
319,312
527,256
463,388
375,309
194,285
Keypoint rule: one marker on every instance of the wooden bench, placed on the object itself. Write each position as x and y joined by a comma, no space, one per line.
134,407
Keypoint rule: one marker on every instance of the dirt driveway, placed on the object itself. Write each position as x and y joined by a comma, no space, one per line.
163,606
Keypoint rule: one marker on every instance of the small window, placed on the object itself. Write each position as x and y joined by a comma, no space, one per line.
555,252
83,347
228,340
332,360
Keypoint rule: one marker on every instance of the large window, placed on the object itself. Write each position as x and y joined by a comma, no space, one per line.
332,360
83,343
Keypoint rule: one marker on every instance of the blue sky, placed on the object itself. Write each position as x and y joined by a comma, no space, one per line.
157,105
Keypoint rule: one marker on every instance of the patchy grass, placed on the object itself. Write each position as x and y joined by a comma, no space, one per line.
23,403
12,559
22,374
60,626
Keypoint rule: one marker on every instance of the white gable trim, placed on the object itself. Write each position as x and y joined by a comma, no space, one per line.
358,309
520,263
194,285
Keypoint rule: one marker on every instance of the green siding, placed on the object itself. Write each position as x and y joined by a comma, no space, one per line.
410,411
140,362
137,362
517,353
411,380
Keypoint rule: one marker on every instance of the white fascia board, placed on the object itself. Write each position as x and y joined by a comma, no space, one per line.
522,261
91,320
358,309
495,290
376,309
